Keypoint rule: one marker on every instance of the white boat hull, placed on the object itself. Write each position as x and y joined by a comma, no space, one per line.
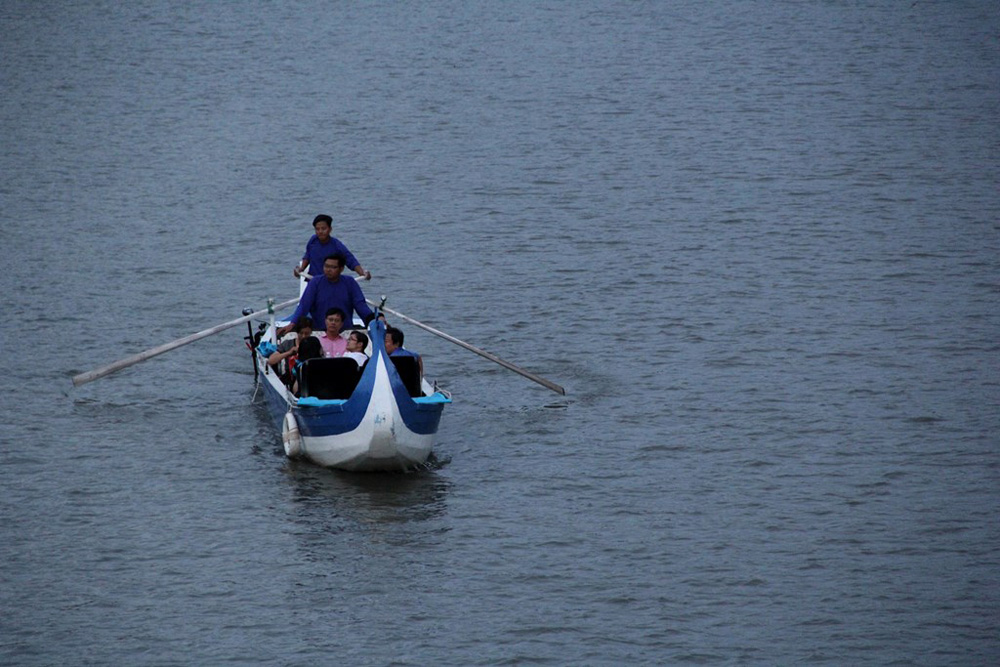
379,428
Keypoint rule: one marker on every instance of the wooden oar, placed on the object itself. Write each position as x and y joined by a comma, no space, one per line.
89,376
472,348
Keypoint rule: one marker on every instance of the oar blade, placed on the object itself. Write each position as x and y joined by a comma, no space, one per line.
548,384
97,373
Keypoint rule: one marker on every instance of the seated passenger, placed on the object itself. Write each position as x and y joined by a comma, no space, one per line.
331,340
309,348
394,346
283,360
356,344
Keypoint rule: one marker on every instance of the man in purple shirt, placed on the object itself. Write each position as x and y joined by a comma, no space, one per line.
331,290
321,245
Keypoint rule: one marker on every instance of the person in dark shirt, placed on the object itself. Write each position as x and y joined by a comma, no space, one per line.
309,348
331,290
321,245
288,349
394,346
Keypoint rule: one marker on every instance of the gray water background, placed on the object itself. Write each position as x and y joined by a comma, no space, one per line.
757,242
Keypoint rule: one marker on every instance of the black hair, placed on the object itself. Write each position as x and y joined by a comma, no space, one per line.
331,311
304,321
362,338
322,217
396,335
341,260
310,348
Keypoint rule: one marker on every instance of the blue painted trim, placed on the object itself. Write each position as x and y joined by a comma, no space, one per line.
313,402
318,418
337,417
422,418
433,398
277,404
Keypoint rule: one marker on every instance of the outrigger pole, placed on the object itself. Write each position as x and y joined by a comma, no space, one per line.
97,373
472,348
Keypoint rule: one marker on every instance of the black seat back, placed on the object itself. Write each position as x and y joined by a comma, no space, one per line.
329,378
409,373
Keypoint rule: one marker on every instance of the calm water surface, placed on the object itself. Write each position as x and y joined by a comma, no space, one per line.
756,242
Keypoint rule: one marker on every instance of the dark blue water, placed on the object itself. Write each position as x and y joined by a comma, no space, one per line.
757,243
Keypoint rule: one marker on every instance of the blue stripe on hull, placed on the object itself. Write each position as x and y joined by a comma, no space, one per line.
337,418
420,418
320,421
331,418
277,404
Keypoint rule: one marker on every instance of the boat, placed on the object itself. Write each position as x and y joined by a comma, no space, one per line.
381,417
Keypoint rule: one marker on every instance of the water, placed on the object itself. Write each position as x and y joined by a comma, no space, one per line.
756,242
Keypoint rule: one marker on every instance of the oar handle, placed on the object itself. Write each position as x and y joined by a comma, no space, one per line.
308,277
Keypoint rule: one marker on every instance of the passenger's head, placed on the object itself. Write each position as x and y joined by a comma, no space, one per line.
323,223
304,327
333,265
335,320
357,342
393,339
310,348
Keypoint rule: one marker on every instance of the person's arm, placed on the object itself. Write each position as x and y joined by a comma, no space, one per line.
305,258
359,304
351,261
282,354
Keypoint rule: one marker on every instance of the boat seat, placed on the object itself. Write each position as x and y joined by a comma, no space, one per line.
409,373
329,378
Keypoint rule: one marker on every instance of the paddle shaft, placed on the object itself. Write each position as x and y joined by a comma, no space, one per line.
472,348
97,373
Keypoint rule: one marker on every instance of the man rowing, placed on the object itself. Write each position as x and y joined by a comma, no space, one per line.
331,290
321,245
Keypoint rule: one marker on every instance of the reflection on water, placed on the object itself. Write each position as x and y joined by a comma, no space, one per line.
330,507
367,498
336,516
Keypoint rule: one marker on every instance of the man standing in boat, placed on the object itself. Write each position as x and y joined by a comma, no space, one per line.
321,245
331,290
